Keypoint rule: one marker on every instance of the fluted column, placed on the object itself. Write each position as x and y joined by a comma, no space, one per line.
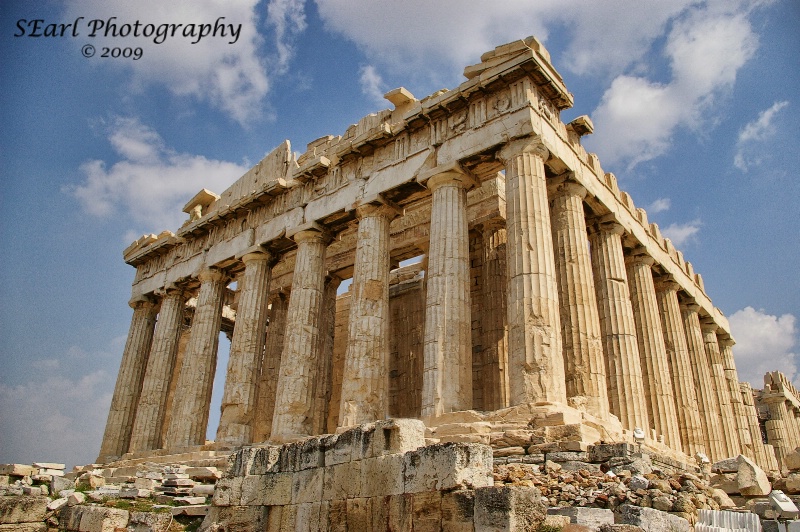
618,328
535,361
239,398
294,401
447,343
365,380
777,431
726,344
117,436
493,322
727,421
324,381
192,400
149,422
580,320
652,351
703,384
753,427
691,432
270,368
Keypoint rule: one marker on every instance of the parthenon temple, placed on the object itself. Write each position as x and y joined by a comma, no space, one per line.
540,297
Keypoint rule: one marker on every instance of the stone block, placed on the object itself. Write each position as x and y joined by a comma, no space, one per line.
555,521
729,465
310,454
426,511
447,466
264,460
90,481
342,481
572,432
21,509
272,489
383,475
458,510
18,470
725,502
312,516
203,489
752,480
191,510
592,517
57,504
25,527
725,482
307,485
359,514
149,522
792,460
650,519
337,515
206,474
228,491
559,417
133,493
336,453
238,518
793,483
508,508
605,452
289,518
288,459
189,501
398,436
76,498
86,518
400,512
508,451
49,465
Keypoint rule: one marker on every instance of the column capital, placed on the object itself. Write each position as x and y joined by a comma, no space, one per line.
211,274
258,255
531,145
726,340
566,184
493,225
378,209
309,231
639,256
447,174
690,305
170,290
666,283
708,325
141,301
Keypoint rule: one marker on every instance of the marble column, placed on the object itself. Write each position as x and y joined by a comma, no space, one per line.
152,408
365,379
535,361
686,403
618,327
239,399
726,344
294,401
324,381
777,431
703,384
753,427
580,320
730,437
447,344
652,351
192,401
117,436
493,323
270,368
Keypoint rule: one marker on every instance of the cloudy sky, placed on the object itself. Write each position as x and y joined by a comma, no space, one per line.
692,103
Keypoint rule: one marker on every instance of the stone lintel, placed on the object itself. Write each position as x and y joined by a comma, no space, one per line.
204,198
400,97
582,126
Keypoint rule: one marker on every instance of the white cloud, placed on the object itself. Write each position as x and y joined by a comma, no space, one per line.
659,205
232,77
372,84
288,19
151,182
637,117
680,234
754,133
54,419
764,343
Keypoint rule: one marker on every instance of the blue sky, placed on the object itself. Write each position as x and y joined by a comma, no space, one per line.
694,106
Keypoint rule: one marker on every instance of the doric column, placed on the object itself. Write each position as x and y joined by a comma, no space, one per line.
365,379
703,385
294,401
270,368
149,422
324,381
447,344
117,436
247,348
753,427
652,351
580,321
192,400
727,421
688,413
726,344
618,328
535,361
493,322
777,431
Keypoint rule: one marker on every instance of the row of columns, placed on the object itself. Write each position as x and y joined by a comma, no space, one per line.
589,329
